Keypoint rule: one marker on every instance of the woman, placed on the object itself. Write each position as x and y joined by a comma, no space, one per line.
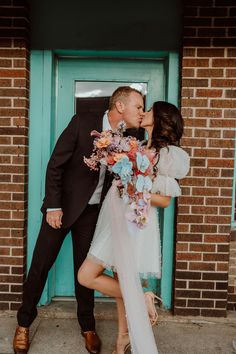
130,253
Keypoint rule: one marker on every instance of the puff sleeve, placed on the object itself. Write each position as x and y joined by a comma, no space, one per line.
173,164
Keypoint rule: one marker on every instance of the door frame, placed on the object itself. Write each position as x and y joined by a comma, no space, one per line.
43,82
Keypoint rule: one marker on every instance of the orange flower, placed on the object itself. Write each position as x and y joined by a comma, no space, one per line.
133,144
118,156
110,160
103,142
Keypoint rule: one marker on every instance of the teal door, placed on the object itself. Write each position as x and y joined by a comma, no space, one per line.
77,84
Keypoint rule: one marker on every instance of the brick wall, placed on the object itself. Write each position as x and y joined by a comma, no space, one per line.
14,102
209,108
232,273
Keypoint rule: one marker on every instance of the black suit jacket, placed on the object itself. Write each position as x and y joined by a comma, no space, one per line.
69,182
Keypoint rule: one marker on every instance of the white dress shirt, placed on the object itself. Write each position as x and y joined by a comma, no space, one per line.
96,197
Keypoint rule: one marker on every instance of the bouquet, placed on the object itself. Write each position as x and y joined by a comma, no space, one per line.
133,166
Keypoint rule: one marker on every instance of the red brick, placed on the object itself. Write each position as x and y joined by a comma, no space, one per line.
219,182
189,181
216,113
220,163
193,142
180,284
218,201
210,73
195,122
231,72
230,113
223,123
230,93
195,83
223,83
12,73
189,237
202,266
224,22
205,228
187,275
200,303
216,238
187,73
222,267
186,112
187,293
186,312
209,93
220,257
215,276
206,153
188,256
191,200
207,133
195,62
4,306
213,313
221,143
201,285
203,210
181,265
225,211
215,294
210,52
206,172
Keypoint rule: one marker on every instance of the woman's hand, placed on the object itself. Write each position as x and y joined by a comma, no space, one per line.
158,200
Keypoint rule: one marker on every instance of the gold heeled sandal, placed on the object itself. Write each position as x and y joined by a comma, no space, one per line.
123,343
150,298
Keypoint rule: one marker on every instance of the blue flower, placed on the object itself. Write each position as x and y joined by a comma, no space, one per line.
143,183
123,168
142,162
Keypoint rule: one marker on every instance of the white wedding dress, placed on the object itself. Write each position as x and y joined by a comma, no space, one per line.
173,164
131,252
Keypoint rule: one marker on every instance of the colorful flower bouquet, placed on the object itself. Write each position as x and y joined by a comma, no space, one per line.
133,166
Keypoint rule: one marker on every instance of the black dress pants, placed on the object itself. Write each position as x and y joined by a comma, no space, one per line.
45,253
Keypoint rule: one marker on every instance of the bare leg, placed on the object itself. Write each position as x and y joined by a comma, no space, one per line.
91,275
122,322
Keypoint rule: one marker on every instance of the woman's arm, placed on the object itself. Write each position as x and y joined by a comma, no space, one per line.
158,200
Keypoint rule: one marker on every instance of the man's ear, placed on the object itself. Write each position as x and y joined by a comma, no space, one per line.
120,106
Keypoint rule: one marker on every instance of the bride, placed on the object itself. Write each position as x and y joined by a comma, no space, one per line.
133,253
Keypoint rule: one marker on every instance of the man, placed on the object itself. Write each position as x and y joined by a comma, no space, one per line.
73,195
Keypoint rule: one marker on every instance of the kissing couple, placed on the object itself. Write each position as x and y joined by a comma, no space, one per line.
87,203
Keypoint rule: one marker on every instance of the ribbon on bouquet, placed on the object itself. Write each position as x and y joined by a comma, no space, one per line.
140,330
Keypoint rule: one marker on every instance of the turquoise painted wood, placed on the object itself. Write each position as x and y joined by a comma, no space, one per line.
168,219
47,121
41,78
70,70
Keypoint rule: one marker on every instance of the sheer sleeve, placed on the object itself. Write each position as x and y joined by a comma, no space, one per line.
173,164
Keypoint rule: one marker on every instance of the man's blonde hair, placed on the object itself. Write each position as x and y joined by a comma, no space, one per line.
121,94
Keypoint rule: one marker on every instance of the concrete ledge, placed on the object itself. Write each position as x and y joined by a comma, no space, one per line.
106,310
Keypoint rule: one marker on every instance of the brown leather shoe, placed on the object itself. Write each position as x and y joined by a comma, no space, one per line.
92,342
21,340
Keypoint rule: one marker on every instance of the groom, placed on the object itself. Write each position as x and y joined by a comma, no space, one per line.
73,196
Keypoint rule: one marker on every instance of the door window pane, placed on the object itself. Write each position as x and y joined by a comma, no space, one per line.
94,96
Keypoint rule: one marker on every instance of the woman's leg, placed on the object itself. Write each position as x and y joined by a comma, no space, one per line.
122,322
91,275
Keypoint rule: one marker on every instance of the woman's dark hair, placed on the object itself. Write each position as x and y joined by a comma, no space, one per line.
168,125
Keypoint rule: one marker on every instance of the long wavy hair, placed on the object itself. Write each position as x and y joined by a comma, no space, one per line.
168,125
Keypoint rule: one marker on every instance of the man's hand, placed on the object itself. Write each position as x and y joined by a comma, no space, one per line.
54,218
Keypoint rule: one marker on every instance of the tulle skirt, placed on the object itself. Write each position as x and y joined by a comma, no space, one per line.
145,243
